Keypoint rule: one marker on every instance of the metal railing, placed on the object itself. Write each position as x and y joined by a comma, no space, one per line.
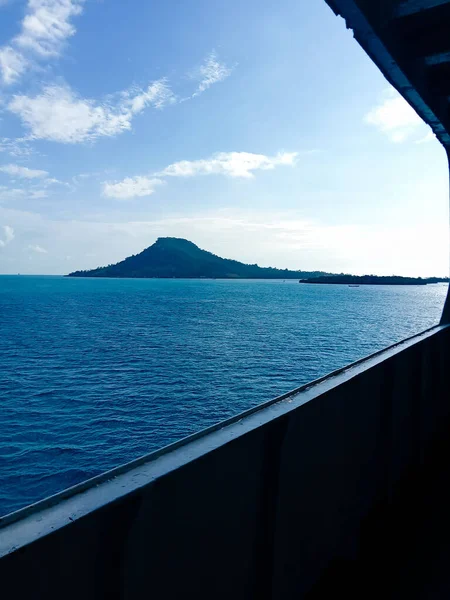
265,505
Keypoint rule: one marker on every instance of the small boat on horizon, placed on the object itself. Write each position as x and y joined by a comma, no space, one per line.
353,285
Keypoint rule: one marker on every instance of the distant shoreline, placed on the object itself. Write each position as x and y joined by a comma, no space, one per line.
200,278
357,280
177,258
330,280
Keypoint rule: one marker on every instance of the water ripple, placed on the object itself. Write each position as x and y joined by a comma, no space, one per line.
94,373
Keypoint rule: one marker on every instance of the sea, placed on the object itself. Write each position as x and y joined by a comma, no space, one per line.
97,372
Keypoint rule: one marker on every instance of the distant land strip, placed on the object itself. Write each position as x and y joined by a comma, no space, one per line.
373,280
178,258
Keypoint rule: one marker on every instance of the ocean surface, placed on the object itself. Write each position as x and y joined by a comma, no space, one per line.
96,372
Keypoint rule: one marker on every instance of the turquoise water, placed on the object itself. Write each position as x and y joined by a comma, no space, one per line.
96,372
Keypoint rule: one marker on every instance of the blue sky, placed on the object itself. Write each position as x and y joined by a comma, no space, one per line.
259,130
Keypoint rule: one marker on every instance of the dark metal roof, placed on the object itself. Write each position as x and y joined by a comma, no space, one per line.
409,40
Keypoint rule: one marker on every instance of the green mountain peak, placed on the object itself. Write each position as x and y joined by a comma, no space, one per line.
177,257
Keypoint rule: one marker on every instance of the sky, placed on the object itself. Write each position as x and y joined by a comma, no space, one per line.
258,130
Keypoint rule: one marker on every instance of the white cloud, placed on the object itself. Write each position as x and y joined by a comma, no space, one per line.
8,235
233,164
7,193
211,71
37,194
37,249
131,187
59,115
12,64
394,117
47,25
18,147
44,29
429,137
24,172
157,94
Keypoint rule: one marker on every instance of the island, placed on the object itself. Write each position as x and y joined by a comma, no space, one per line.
179,258
357,280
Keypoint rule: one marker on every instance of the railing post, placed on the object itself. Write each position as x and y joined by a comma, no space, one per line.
445,318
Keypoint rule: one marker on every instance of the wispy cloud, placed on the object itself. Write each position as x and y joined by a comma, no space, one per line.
44,29
59,115
394,117
158,94
7,237
232,164
33,193
12,64
47,25
131,187
210,72
36,189
18,147
37,194
7,193
23,172
38,249
429,137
